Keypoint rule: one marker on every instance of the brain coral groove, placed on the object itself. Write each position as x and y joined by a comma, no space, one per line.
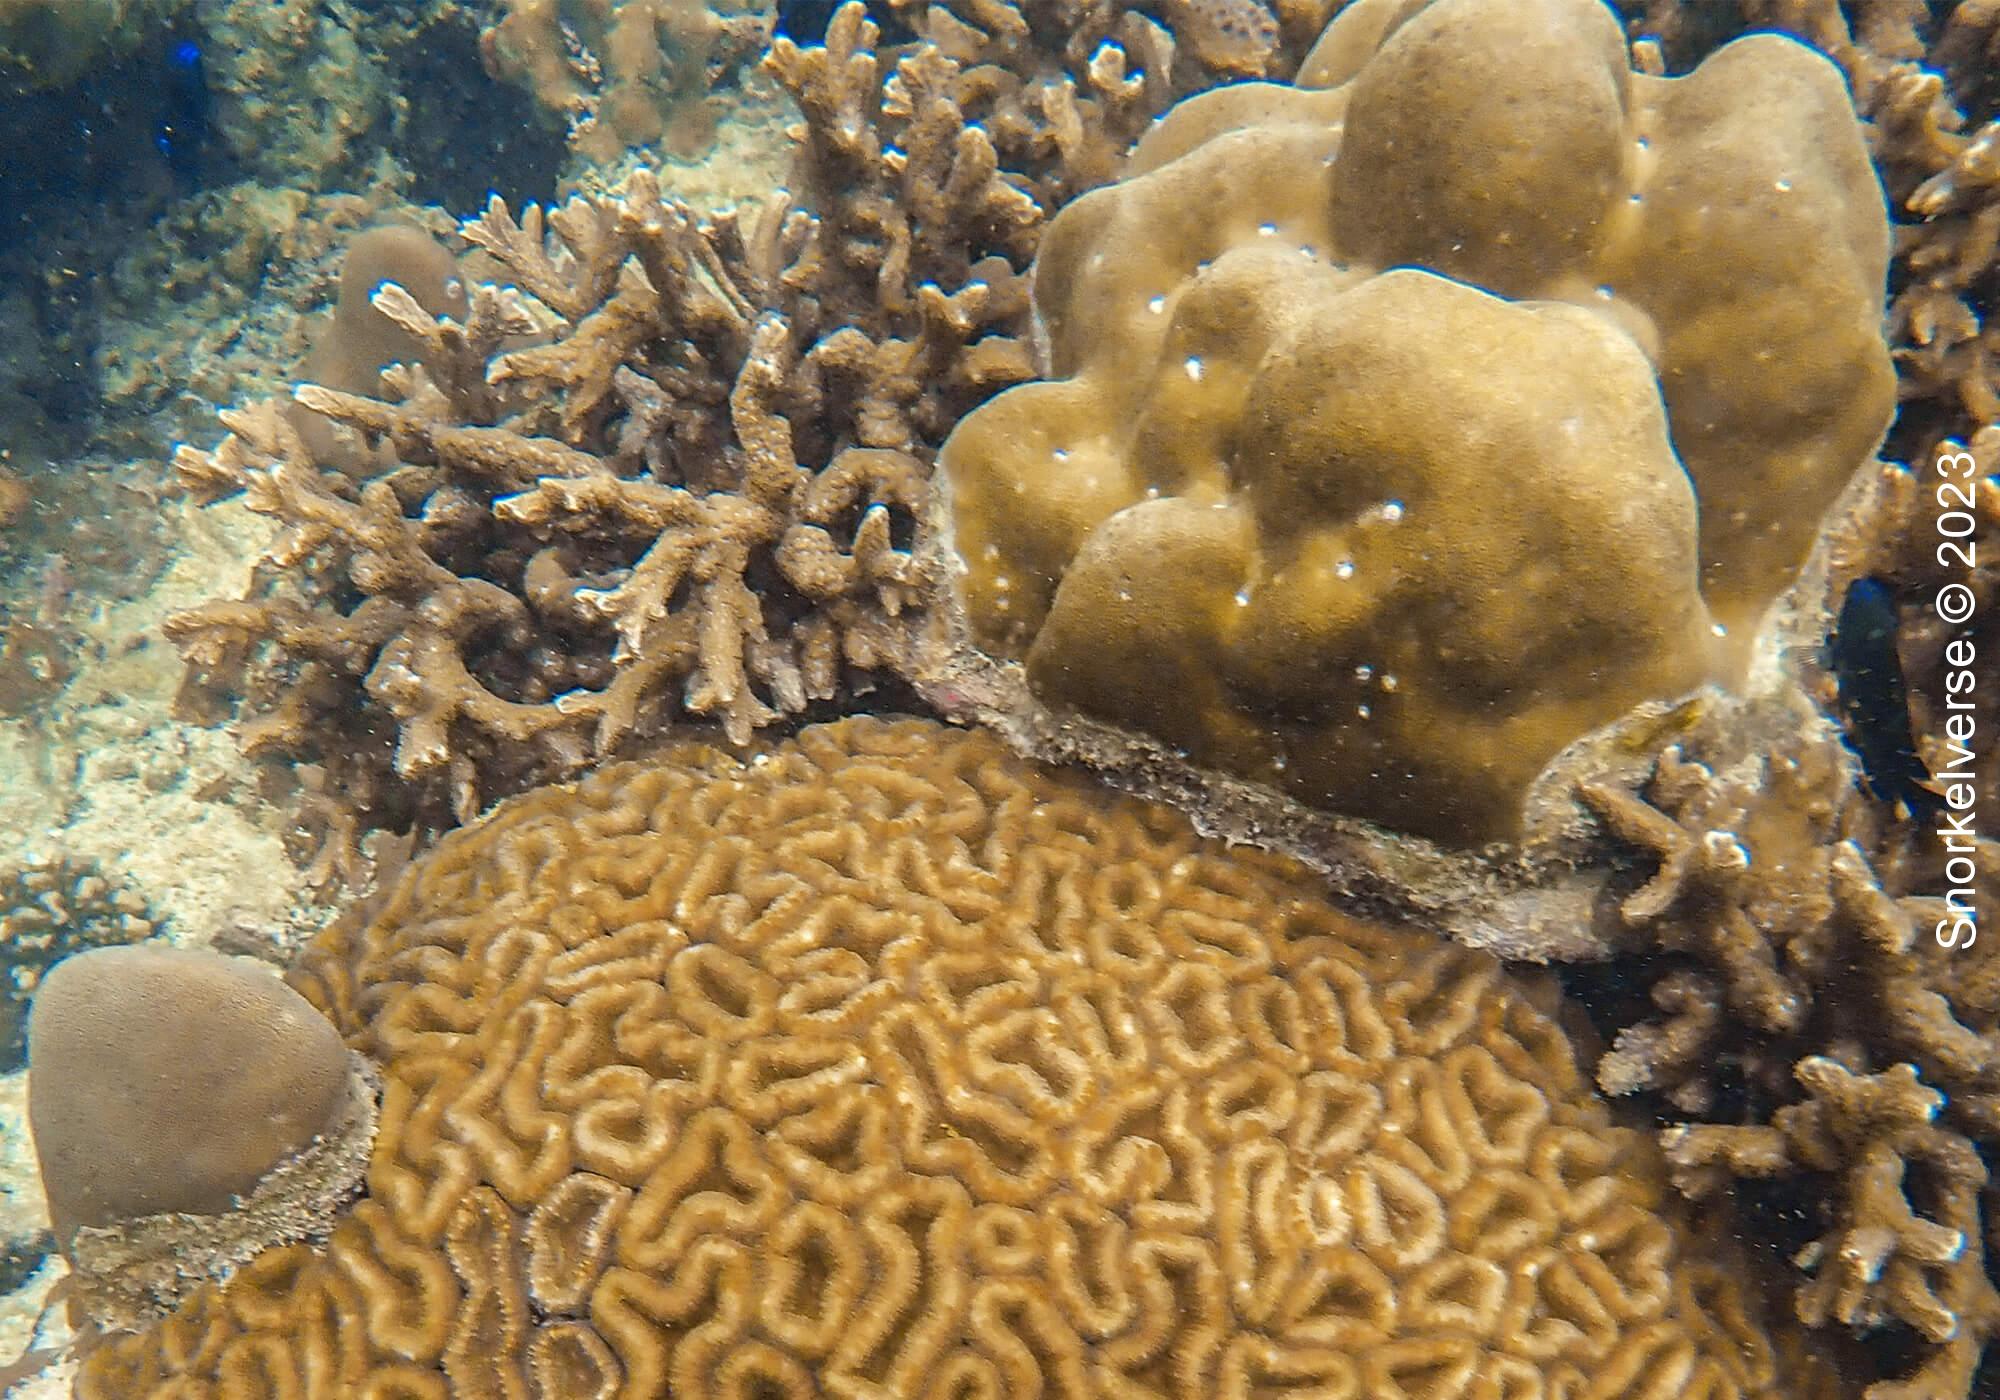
886,1065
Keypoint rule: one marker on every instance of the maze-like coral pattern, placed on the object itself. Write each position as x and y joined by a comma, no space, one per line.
884,1065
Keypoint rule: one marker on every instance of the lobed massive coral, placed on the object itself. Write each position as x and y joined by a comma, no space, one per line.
1920,78
1386,541
886,1064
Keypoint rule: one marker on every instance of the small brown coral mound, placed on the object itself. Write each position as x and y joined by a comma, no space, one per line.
1347,532
887,1065
167,1086
256,1075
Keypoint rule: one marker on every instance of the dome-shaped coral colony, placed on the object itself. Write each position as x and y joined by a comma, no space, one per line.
889,1065
1405,425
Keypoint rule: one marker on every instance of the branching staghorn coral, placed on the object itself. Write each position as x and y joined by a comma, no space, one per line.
1794,971
661,465
888,1064
1064,87
1881,1262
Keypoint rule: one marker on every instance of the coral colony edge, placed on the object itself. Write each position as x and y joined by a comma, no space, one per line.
1006,698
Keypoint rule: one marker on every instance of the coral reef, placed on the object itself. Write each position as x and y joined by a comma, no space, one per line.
15,498
625,73
887,1063
1246,514
1063,89
50,909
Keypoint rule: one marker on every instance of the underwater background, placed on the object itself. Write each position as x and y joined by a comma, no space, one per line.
1197,698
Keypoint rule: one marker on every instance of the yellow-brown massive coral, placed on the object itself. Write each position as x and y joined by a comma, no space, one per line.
886,1065
1387,541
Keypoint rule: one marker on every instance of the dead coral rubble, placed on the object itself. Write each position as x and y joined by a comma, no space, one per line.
889,1065
662,465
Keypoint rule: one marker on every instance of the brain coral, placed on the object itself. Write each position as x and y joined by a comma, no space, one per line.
885,1065
1401,427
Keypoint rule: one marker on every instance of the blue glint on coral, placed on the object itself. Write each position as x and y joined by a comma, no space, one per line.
186,54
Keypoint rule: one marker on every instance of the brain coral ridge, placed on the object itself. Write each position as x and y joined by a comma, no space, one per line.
887,1065
1404,425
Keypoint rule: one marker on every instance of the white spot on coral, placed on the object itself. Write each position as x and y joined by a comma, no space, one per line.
1157,305
1152,493
1242,597
1783,187
1363,711
1389,682
1344,569
1719,630
1392,511
1267,230
1193,368
1364,672
1062,454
